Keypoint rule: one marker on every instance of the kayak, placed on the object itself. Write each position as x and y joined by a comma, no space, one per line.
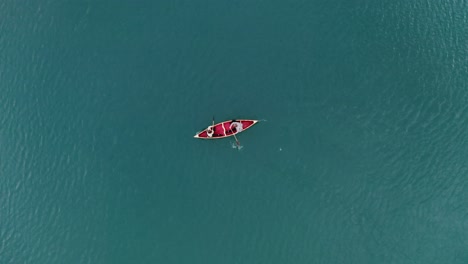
225,129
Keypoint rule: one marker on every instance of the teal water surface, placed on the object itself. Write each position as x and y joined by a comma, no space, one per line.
363,157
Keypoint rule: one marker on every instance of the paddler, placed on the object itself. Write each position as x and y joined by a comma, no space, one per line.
210,131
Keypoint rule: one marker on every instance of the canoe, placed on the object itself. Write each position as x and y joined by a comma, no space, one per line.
226,129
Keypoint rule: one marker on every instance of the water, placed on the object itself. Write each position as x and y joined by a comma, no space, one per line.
363,158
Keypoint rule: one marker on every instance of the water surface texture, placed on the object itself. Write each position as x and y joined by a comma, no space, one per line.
363,157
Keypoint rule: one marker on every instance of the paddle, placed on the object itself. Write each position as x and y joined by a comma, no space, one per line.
210,130
237,141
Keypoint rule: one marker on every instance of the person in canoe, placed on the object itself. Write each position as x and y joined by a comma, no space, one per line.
210,131
235,126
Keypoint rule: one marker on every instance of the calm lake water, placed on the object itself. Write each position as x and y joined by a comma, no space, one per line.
363,157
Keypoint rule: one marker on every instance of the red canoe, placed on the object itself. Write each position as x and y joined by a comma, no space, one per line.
226,129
